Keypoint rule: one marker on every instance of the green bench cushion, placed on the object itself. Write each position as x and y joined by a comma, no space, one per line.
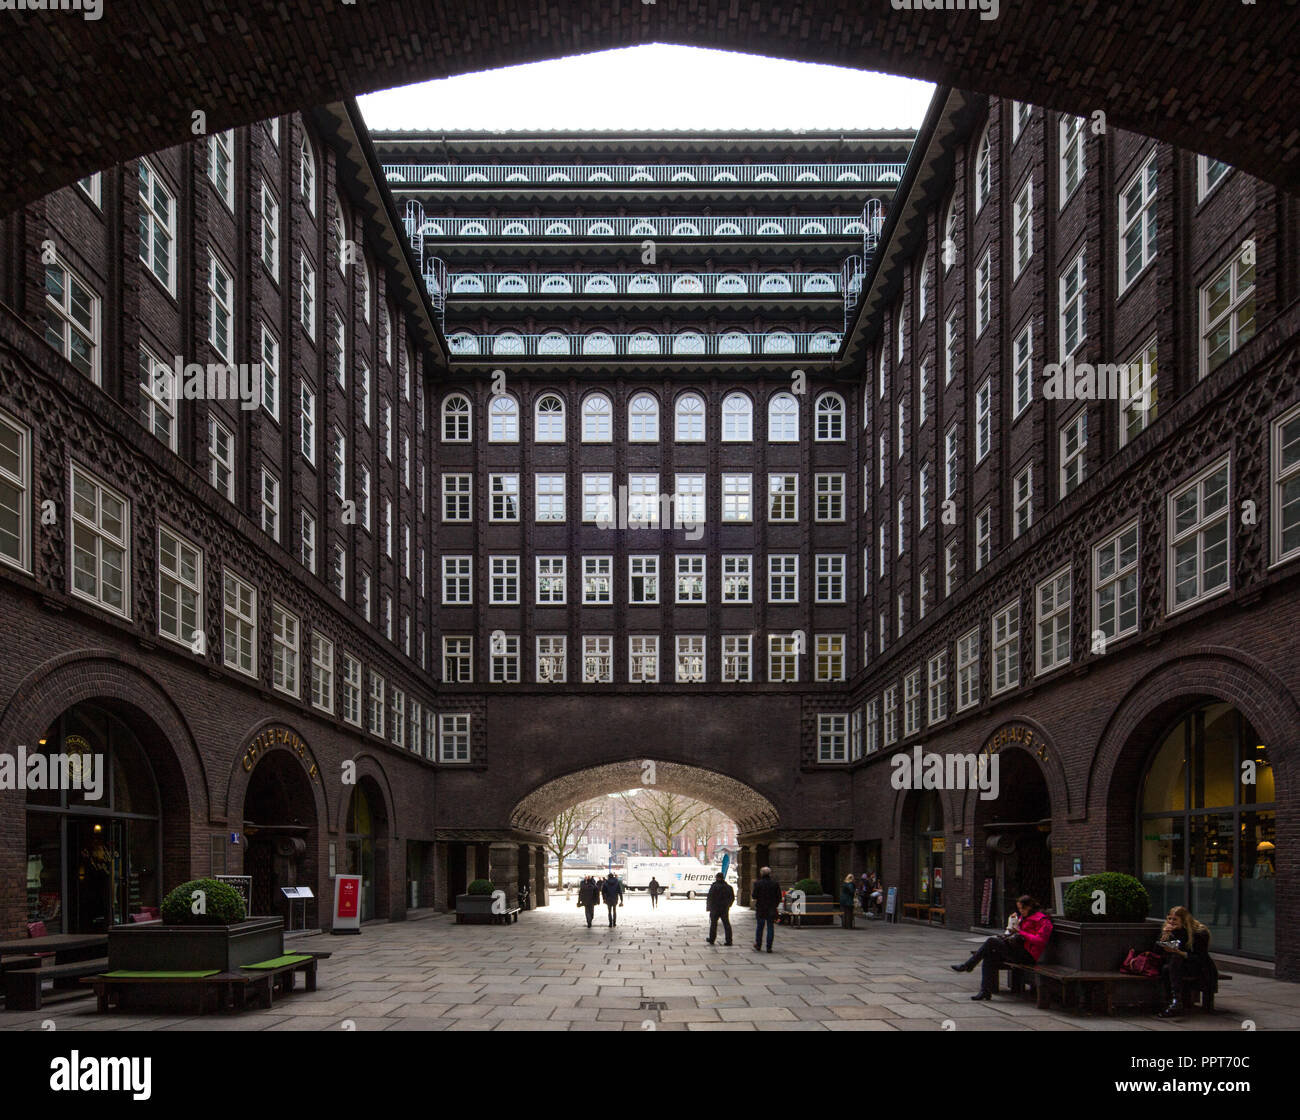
131,974
280,962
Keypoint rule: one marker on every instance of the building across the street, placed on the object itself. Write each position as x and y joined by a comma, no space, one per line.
928,503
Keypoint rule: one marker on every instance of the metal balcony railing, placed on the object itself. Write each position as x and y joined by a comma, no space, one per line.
640,344
561,284
618,174
683,225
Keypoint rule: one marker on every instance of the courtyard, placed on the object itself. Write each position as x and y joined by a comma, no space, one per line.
655,971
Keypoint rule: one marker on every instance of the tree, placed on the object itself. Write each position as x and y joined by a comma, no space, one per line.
706,829
569,832
661,817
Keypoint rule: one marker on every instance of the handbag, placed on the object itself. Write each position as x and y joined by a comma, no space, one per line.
1141,964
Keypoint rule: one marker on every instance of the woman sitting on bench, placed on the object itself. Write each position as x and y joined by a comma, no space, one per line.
1025,946
1184,948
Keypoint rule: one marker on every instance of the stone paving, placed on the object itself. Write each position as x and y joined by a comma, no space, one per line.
655,971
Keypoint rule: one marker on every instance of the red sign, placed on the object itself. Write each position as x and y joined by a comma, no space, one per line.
347,902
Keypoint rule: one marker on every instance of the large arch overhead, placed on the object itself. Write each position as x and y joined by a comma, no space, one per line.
746,806
87,93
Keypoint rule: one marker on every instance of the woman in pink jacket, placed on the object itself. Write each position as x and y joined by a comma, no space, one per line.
1025,946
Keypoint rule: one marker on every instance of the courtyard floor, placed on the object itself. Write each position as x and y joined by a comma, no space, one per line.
656,972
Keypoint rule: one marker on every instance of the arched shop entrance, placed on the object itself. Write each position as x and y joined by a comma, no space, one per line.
1013,834
1207,835
929,847
280,831
364,851
94,853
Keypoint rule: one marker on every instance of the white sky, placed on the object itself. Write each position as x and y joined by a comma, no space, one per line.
655,87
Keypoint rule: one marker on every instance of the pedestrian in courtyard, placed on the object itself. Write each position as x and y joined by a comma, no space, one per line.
1184,953
847,896
1024,946
766,895
654,893
587,896
718,904
612,891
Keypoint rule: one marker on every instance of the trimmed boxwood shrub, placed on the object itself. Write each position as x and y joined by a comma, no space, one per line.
223,904
809,887
480,886
1126,898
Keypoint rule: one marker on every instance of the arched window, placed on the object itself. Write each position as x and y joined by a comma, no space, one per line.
778,342
600,283
644,229
552,343
548,425
462,342
560,284
737,419
771,229
688,342
643,342
949,246
824,342
643,282
731,282
818,282
600,229
983,171
307,175
467,284
473,229
734,342
503,419
455,419
782,419
559,229
512,284
687,284
508,342
686,229
923,289
830,417
812,229
643,419
598,342
775,282
340,236
690,418
515,229
726,229
597,419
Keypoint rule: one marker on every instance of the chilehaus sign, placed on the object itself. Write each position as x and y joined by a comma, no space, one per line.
280,737
1028,737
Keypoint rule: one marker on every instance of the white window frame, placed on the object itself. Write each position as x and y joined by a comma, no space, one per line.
1053,620
1196,532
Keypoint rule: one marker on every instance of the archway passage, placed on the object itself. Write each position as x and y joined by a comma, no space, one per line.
94,92
280,829
1013,835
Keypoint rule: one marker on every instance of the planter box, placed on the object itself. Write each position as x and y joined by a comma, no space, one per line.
1097,946
472,909
155,947
819,909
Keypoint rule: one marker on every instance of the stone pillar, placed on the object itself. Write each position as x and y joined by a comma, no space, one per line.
541,892
503,869
746,873
441,874
783,857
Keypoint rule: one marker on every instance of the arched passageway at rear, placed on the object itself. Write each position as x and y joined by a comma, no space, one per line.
95,92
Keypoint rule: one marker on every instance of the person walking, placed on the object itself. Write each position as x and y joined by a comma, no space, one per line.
587,895
766,896
1024,946
654,889
612,892
848,892
718,903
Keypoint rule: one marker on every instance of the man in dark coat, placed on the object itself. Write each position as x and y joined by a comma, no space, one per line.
612,891
654,889
587,896
719,901
766,896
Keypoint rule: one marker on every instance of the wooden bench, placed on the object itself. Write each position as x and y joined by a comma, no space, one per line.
1069,984
23,985
918,910
938,912
504,918
816,912
263,977
211,985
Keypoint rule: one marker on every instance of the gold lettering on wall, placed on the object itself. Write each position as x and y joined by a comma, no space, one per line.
274,736
1017,733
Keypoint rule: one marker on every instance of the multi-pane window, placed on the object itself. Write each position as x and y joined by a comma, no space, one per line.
737,651
340,352
891,715
552,659
1073,301
457,582
949,569
270,372
1209,174
221,455
949,349
643,419
307,540
643,500
505,497
782,419
598,499
101,550
180,589
363,382
1286,486
552,581
1115,585
597,659
643,579
830,497
386,430
363,495
783,578
783,497
983,537
873,725
643,658
912,702
950,453
1137,223
221,296
923,592
829,418
983,292
504,651
15,494
902,428
597,419
983,171
1021,112
855,734
923,497
92,187
350,690
690,579
737,577
269,492
322,672
1199,538
983,420
689,658
1073,164
1052,621
550,497
1074,452
1022,379
830,573
548,421
72,319
458,659
455,419
968,669
157,397
363,593
453,738
375,710
937,671
457,497
157,227
1228,310
950,235
783,657
737,497
922,394
270,232
503,419
1005,640
504,582
737,418
689,506
1139,392
397,718
307,422
339,571
1023,512
1022,218
597,581
307,175
832,739
829,653
307,294
239,624
690,419
284,650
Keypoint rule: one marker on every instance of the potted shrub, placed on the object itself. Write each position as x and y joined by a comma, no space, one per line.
203,926
475,905
818,906
1097,930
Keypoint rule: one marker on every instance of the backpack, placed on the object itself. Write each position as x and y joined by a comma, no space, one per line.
1141,964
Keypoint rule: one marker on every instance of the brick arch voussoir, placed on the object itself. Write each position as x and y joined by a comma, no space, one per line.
1061,803
239,779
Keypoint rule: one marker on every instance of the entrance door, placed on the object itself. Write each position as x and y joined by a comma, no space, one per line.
94,873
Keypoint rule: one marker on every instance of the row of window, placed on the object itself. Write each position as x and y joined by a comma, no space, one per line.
597,424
